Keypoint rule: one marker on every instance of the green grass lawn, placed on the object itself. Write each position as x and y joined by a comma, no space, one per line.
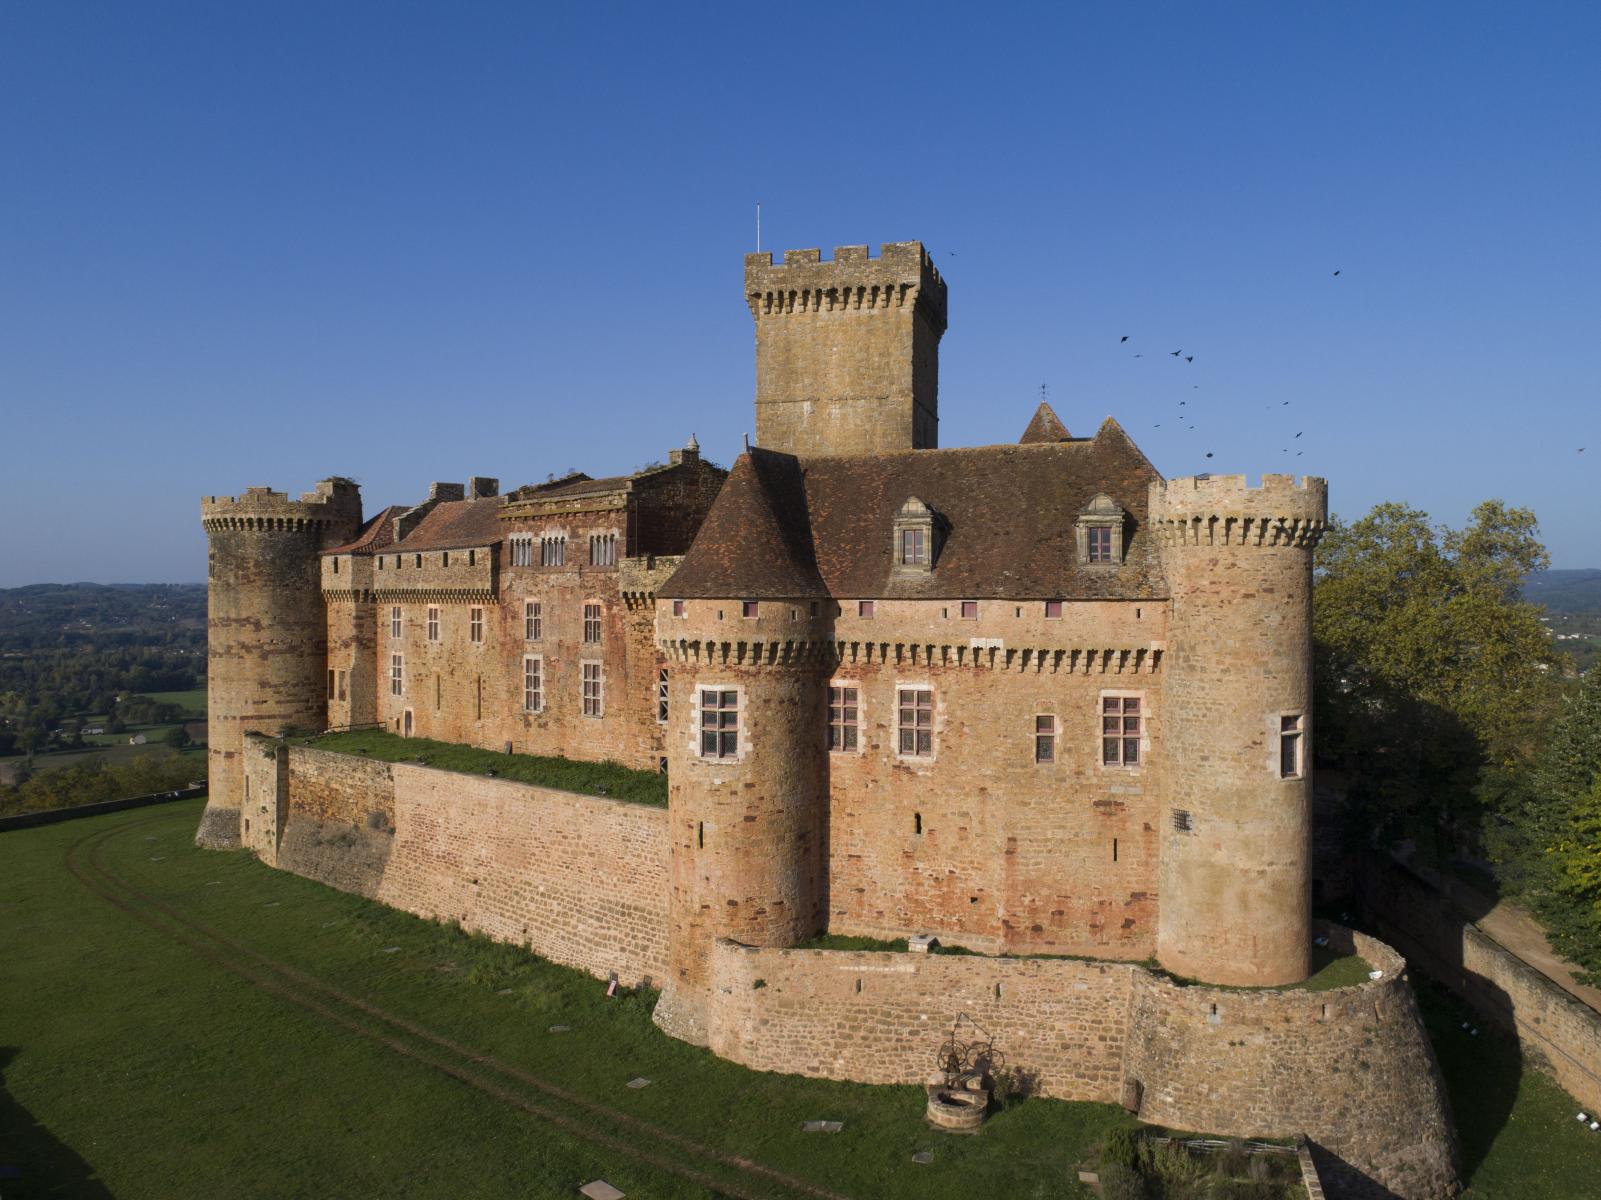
593,779
192,701
132,1065
112,751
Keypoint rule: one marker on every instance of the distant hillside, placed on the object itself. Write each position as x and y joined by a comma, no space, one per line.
65,615
1566,591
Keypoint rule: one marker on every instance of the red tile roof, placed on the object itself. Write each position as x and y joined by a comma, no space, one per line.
454,524
376,534
782,525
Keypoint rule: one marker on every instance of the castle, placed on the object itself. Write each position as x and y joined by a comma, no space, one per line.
1032,699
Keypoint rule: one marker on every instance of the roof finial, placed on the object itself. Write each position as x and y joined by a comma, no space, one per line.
746,436
692,444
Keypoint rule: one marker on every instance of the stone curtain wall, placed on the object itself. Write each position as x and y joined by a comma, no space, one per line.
1554,1029
1350,1068
881,1017
579,880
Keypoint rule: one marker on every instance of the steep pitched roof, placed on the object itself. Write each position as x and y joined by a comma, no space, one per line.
1008,515
756,541
374,535
454,524
1045,427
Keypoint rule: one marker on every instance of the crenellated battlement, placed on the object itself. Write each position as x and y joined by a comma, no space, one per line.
1201,510
336,502
902,276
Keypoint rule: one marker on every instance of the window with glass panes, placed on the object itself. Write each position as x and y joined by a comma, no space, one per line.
1100,543
591,622
914,547
396,675
1290,747
592,698
916,721
842,718
661,695
532,621
1120,731
475,624
394,621
719,723
533,684
433,624
1044,738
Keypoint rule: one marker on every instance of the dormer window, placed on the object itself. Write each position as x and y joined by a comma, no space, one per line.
1100,532
915,546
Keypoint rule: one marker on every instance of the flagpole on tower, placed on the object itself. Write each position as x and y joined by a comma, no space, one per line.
758,227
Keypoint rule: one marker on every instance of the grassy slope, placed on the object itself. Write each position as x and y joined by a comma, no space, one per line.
593,779
171,1078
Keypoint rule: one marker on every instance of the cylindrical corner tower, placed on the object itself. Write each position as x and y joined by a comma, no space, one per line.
746,791
266,628
1236,870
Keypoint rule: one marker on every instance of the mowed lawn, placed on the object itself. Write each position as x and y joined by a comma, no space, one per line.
135,1065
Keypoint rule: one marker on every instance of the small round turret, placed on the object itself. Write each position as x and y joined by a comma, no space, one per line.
747,787
1237,834
266,647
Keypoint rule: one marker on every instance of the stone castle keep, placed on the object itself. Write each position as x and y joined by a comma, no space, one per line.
1031,698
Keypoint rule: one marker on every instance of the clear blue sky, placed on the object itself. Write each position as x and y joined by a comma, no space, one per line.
260,243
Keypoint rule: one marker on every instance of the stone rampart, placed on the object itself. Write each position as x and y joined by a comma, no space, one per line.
1351,1068
1554,1029
580,880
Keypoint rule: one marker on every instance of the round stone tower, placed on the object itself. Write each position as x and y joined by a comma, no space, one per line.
747,786
1236,836
266,650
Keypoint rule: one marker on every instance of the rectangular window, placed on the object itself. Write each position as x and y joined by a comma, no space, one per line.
917,721
396,676
394,621
661,696
719,724
1100,543
444,559
843,715
433,624
475,624
533,684
1290,747
1053,610
864,609
331,684
344,685
552,551
593,700
592,623
533,621
603,549
1120,731
969,610
522,552
678,608
1044,739
914,548
749,608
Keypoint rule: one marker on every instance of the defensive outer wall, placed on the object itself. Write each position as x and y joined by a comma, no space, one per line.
584,881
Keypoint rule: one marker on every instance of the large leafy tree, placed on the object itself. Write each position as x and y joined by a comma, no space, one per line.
1430,665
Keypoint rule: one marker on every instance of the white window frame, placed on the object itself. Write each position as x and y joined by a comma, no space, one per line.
475,625
914,756
599,620
533,620
396,626
1145,729
1280,734
856,725
1053,734
433,622
740,732
584,681
533,683
397,674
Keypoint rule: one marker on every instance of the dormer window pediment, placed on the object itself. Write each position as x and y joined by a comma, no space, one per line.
1099,530
916,538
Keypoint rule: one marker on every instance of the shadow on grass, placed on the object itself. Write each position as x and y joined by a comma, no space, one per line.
33,1162
1482,1072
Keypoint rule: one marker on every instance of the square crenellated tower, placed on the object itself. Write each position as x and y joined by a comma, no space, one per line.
847,352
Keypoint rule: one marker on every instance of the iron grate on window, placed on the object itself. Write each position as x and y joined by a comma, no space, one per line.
1181,820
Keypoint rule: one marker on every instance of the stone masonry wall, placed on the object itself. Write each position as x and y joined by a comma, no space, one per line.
1554,1029
881,1017
1350,1068
579,880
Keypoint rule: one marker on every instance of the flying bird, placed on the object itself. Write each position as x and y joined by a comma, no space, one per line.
1139,356
1581,449
1189,358
1122,339
1175,353
1299,434
1336,274
1209,454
